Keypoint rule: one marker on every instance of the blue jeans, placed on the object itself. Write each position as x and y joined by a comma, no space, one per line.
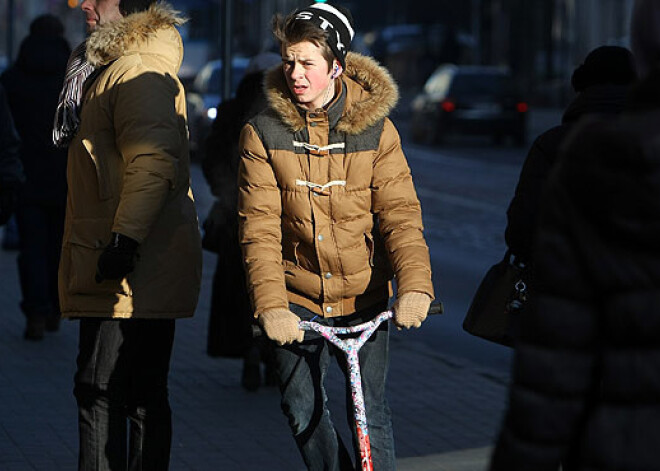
123,366
301,369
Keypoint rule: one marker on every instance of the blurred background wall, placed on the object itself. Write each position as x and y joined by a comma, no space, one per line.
540,40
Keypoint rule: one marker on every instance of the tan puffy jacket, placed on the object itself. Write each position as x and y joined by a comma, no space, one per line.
129,172
327,207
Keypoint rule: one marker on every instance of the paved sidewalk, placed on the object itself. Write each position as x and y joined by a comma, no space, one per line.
446,411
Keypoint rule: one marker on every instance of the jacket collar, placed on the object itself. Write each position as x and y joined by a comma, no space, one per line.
113,40
370,92
600,99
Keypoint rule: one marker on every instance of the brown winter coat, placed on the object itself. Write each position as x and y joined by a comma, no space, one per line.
333,249
129,172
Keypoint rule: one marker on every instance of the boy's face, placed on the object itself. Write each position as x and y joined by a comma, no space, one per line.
99,12
307,74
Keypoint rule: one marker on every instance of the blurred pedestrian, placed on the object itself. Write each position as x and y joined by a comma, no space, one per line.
586,380
131,258
11,169
230,320
601,83
33,84
327,212
10,240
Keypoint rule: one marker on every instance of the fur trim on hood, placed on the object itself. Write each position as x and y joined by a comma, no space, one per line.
111,41
371,95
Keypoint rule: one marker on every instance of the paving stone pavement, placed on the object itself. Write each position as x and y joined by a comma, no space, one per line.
446,411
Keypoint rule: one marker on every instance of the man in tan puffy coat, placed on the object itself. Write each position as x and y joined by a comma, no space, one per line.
328,215
131,258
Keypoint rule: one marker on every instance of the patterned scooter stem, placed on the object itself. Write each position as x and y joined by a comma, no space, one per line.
351,347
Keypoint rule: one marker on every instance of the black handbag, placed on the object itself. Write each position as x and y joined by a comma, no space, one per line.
499,298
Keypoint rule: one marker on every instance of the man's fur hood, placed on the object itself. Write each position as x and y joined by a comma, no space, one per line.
371,95
113,40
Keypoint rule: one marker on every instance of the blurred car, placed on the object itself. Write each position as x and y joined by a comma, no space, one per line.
398,38
408,51
469,100
204,95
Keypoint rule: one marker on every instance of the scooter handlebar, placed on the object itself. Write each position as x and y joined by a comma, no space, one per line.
436,308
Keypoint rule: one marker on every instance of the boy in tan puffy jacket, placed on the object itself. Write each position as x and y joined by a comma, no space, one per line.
328,215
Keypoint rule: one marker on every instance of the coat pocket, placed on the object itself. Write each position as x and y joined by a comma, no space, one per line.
81,252
107,161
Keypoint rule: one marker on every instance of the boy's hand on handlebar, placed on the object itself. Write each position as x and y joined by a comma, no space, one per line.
281,326
410,309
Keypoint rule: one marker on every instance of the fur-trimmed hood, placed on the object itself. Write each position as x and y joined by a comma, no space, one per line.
371,94
133,34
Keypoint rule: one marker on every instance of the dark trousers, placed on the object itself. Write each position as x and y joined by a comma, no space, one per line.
302,367
230,319
40,228
124,415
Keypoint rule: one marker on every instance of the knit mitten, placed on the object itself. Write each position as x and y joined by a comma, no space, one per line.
410,309
281,326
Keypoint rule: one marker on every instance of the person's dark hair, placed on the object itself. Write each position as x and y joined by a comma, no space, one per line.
134,6
328,26
289,31
613,65
47,26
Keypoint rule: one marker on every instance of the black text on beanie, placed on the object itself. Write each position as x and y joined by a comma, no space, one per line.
337,23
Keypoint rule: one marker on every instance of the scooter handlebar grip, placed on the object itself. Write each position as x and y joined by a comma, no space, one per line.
436,308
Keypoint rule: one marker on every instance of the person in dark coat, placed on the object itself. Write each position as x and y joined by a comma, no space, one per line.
230,320
586,380
33,84
601,84
11,169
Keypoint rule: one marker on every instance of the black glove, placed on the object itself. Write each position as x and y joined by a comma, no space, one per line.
8,201
118,259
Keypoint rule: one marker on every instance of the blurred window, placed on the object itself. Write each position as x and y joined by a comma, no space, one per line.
202,80
210,79
438,83
200,25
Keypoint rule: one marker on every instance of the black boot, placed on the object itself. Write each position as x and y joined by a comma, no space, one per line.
34,329
53,323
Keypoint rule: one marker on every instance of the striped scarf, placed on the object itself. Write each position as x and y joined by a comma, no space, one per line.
67,116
